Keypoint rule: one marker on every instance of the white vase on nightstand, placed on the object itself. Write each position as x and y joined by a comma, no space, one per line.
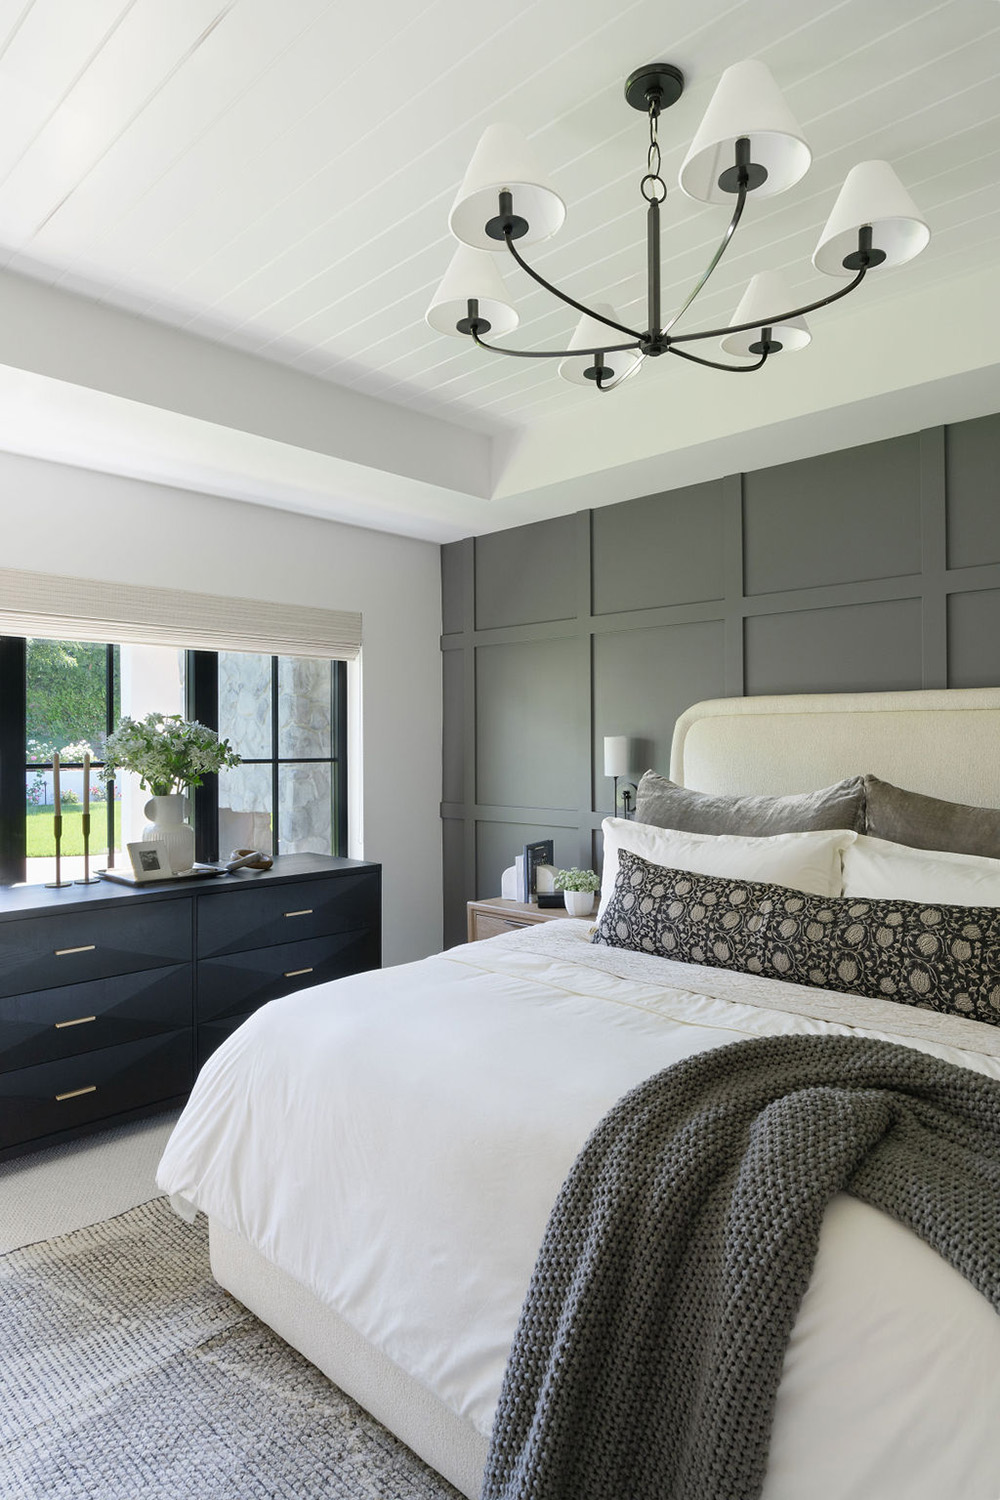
167,827
579,903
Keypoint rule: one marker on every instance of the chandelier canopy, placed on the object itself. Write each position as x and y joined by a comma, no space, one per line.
748,143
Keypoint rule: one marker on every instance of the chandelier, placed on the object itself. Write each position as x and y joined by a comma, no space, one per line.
747,143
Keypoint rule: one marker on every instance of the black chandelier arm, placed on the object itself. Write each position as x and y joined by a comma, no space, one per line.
564,296
785,317
741,199
714,364
612,385
553,353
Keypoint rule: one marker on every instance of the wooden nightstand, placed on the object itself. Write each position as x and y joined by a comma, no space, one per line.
489,918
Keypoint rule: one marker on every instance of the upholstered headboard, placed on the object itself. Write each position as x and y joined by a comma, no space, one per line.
943,742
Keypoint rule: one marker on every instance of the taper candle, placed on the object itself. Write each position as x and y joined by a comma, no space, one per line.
55,782
86,782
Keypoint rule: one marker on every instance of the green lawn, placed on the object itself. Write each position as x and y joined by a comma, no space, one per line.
41,841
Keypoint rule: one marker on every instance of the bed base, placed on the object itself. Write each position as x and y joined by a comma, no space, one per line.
449,1443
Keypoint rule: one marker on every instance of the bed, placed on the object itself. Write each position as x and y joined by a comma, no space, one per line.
378,1158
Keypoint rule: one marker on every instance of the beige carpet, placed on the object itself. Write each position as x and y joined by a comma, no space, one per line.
128,1372
60,1188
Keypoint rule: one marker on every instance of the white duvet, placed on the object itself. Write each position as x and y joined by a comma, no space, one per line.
395,1142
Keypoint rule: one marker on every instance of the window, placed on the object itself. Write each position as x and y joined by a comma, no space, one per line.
285,715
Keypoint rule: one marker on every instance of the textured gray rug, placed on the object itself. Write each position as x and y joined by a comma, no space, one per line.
127,1372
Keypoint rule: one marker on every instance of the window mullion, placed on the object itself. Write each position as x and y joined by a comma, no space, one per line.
275,834
13,753
202,676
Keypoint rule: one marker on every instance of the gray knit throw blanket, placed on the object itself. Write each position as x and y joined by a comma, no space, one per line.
647,1359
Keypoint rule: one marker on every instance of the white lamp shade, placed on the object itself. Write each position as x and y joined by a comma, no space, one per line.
766,295
872,194
472,273
747,102
615,755
591,334
504,160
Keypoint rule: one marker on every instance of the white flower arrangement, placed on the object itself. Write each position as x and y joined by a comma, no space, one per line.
577,880
167,753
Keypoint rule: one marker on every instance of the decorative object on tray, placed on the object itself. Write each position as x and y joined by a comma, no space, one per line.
168,754
150,860
579,888
534,856
248,859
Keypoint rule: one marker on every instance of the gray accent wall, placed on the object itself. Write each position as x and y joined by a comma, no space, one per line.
874,568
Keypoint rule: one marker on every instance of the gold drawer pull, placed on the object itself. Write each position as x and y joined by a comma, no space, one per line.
86,948
306,913
294,973
75,1093
80,1021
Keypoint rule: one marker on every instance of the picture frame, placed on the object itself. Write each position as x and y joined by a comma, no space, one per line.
542,852
149,862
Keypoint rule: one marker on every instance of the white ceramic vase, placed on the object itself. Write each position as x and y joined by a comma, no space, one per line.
166,826
579,903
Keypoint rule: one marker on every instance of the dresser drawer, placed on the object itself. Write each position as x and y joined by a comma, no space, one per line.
41,953
234,920
75,1018
38,1102
238,984
214,1034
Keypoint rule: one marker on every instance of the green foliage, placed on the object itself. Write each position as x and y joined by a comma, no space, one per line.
167,752
66,695
577,880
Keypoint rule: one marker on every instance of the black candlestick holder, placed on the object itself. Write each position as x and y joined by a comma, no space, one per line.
58,883
88,879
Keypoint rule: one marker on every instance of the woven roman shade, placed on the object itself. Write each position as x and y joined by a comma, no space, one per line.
84,609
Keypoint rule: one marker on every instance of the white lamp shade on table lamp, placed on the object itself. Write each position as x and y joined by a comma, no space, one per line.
872,195
746,102
504,161
766,294
472,273
592,334
615,755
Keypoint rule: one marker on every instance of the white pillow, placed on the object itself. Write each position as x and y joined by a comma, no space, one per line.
881,870
804,861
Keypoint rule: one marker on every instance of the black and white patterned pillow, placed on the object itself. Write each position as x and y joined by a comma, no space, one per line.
943,958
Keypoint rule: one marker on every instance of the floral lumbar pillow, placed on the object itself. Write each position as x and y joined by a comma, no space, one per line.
943,958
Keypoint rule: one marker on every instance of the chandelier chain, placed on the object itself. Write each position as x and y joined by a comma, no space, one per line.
652,187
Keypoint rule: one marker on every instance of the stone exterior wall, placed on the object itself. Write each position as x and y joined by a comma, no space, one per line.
304,701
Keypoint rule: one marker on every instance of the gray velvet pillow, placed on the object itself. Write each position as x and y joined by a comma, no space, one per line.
667,805
928,822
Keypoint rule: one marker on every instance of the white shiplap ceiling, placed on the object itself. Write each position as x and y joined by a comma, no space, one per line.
276,177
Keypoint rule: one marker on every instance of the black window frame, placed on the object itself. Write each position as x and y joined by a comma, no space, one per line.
202,703
202,678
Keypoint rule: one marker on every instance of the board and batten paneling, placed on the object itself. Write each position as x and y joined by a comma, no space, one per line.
877,567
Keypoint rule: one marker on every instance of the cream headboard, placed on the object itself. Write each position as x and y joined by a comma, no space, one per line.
943,742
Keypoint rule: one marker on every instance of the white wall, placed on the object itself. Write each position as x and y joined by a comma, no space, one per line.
58,519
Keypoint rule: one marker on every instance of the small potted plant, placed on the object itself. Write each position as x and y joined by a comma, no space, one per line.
169,754
578,888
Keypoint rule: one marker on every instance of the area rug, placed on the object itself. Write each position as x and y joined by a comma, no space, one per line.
127,1372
